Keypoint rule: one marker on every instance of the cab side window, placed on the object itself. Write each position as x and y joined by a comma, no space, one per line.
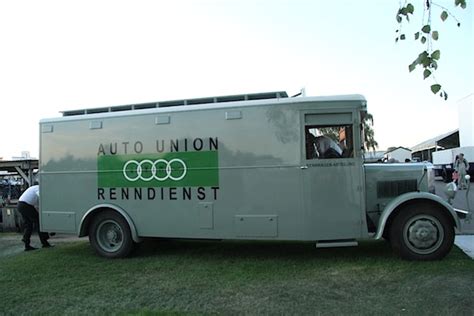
329,142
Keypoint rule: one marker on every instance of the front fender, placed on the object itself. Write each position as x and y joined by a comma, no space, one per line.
413,196
86,219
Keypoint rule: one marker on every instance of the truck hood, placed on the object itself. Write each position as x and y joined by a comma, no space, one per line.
400,177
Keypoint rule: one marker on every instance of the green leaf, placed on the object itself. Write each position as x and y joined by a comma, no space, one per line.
422,56
402,37
426,29
434,64
435,35
396,39
426,73
435,88
412,66
426,62
410,8
445,96
399,19
403,11
417,35
423,40
444,15
436,54
462,3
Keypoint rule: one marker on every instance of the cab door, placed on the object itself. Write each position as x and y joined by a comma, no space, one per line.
332,174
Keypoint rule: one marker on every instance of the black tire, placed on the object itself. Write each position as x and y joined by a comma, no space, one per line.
110,235
422,232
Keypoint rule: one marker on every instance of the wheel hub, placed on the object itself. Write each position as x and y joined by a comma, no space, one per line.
109,236
112,235
423,234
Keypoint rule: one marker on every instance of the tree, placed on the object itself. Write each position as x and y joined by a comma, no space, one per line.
427,35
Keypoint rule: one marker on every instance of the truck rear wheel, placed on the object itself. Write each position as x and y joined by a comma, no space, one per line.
422,232
110,236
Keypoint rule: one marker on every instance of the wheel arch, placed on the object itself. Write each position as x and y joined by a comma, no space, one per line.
396,206
93,211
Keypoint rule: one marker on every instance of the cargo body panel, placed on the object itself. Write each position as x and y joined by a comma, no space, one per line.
232,171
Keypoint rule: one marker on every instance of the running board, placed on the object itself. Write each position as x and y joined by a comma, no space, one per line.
336,243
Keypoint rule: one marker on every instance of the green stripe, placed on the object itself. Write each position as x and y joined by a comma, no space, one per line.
201,170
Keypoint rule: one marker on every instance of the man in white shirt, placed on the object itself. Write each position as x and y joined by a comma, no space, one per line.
28,206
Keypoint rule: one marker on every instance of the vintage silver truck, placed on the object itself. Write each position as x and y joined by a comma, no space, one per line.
257,166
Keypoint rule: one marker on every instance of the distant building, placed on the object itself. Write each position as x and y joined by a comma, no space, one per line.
25,155
466,117
373,156
462,137
398,154
424,150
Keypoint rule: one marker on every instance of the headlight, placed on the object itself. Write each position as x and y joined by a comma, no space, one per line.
431,179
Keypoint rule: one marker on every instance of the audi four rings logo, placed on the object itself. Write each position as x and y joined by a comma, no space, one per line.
156,167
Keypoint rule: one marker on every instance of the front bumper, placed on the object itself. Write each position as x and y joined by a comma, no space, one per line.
462,214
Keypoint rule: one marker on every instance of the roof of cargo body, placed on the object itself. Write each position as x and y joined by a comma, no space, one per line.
223,102
183,102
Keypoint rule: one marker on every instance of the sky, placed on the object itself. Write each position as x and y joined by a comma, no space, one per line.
66,55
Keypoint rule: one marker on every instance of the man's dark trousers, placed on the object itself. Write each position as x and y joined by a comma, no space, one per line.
31,219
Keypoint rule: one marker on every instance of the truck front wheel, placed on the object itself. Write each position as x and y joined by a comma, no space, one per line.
110,236
422,232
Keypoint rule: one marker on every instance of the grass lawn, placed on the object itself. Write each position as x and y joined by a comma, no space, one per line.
199,277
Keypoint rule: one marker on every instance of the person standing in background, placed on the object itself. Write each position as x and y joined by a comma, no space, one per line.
461,166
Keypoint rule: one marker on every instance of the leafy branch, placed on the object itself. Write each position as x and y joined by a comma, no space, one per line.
429,58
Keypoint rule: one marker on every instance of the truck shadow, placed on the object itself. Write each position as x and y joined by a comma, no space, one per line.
260,250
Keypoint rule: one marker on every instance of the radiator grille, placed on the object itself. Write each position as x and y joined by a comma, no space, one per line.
387,189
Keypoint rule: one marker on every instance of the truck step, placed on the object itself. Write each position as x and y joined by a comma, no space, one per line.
336,243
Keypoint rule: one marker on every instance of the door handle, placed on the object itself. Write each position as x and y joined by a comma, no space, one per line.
304,167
